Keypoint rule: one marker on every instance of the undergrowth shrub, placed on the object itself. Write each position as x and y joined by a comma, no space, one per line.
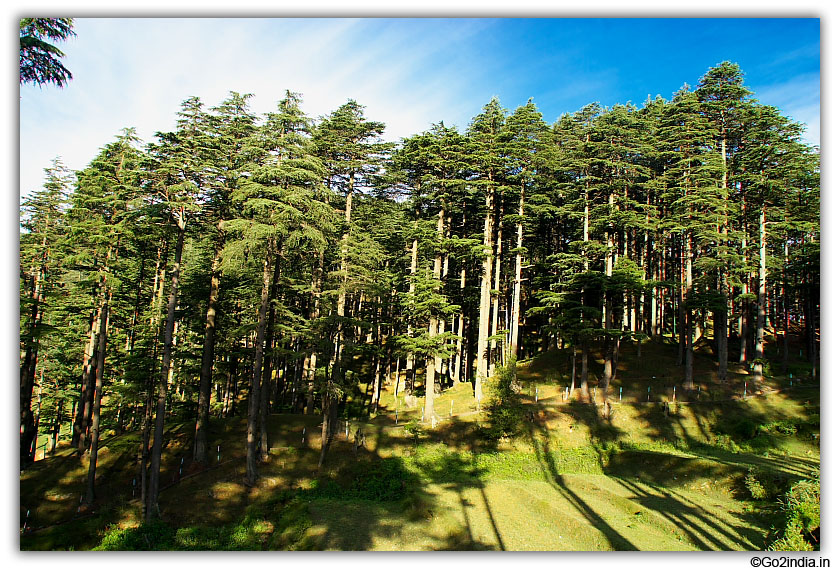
801,507
765,485
385,480
279,524
154,535
754,486
505,411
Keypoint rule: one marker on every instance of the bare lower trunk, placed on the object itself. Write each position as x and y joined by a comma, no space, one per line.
79,439
256,376
267,365
97,404
497,286
169,329
517,276
201,424
484,302
310,365
761,322
688,382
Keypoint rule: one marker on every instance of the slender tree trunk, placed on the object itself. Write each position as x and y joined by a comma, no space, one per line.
459,343
254,395
97,403
207,357
431,365
484,305
79,439
761,322
310,365
743,322
409,360
786,312
584,369
267,364
169,329
517,276
497,287
377,374
143,455
28,431
688,382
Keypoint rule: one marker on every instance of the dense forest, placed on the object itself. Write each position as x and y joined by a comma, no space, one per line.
244,266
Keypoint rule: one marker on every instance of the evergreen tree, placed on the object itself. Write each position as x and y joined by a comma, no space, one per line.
42,219
40,61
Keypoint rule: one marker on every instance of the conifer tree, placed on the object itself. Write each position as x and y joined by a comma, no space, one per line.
486,161
42,218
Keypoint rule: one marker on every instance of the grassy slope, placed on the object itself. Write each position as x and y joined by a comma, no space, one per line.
577,480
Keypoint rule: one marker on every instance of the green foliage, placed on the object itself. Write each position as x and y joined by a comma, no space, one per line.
801,507
380,481
754,486
40,61
154,535
414,429
505,411
281,524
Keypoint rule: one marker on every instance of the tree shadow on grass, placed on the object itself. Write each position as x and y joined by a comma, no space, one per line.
548,464
702,526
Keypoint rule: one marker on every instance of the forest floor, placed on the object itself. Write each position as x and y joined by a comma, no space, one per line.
666,473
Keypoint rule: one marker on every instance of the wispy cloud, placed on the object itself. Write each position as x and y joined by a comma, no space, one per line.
136,72
799,98
409,73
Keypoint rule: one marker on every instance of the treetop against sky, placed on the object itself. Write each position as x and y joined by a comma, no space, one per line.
408,73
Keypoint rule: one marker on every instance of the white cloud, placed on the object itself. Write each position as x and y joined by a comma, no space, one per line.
798,97
136,72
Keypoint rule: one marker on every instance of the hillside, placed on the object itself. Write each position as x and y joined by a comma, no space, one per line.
573,479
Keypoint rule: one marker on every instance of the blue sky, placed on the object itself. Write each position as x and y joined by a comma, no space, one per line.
408,72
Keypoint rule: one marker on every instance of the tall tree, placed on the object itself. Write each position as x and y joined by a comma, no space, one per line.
349,146
486,161
722,95
222,142
42,221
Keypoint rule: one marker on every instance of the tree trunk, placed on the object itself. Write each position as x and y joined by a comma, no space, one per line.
497,287
97,403
484,304
517,276
761,321
584,369
207,357
688,382
267,364
169,329
431,364
28,431
409,359
256,376
79,439
310,365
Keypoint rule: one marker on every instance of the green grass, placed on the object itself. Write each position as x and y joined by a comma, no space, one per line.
710,475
